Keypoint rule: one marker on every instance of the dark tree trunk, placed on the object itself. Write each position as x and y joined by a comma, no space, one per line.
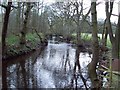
4,75
104,37
119,35
5,27
118,38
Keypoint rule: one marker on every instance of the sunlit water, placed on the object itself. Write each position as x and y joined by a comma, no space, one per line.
52,68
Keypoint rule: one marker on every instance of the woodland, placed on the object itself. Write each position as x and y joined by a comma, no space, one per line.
27,27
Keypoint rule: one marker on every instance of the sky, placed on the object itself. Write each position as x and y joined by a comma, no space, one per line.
100,8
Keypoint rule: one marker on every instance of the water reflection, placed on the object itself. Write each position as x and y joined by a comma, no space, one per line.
80,77
57,66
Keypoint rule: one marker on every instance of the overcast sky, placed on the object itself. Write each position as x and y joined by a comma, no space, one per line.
100,7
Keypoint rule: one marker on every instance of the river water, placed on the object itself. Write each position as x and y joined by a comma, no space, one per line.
59,65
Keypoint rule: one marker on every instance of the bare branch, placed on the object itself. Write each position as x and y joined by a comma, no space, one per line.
115,15
14,7
3,6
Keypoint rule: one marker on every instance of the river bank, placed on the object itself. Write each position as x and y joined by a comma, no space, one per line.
33,42
14,49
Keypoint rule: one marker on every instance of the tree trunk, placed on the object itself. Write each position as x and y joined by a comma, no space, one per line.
95,48
115,50
18,16
5,27
78,26
104,34
119,35
105,39
24,29
116,47
114,39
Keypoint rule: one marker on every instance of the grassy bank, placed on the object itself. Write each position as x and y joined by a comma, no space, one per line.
88,37
15,49
14,40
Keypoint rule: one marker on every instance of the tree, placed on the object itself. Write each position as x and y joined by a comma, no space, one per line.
113,39
80,18
118,35
78,14
5,26
95,48
24,29
18,19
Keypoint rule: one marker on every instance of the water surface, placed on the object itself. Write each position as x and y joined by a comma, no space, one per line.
59,65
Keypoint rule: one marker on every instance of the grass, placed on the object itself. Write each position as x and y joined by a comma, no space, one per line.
14,40
13,46
32,37
88,37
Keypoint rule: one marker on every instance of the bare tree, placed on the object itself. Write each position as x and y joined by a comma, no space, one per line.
80,18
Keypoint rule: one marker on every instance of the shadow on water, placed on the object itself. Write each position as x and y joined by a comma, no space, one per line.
57,66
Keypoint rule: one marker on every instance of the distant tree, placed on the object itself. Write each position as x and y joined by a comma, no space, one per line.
18,16
79,19
78,14
24,29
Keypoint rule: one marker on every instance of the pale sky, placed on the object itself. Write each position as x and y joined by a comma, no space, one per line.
100,7
101,10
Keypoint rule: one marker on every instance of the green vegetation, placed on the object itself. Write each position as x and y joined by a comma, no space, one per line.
12,40
88,37
14,48
33,38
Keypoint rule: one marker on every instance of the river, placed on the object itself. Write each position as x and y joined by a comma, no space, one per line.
59,65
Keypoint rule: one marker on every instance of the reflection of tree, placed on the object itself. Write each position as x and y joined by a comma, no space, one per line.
79,73
28,70
18,75
52,52
67,60
22,75
23,72
4,76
